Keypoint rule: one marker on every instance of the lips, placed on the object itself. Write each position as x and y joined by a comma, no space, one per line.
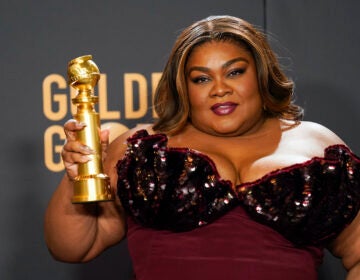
223,109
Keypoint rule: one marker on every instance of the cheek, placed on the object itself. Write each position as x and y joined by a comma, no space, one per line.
198,108
249,91
248,85
196,98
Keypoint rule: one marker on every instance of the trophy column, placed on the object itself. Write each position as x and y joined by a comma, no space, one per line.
91,184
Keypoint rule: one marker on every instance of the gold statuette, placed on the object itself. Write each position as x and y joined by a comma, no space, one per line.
91,184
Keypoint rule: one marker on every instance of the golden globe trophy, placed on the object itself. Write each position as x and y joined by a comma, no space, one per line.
91,184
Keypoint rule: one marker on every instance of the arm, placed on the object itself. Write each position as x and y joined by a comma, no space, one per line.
347,247
80,232
354,273
347,244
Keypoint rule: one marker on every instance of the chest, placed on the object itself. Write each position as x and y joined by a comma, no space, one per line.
248,159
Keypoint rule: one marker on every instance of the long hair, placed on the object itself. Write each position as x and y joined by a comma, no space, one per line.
171,100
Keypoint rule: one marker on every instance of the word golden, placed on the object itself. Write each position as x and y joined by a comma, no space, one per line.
57,106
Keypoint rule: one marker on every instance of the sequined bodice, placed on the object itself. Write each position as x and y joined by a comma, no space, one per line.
179,189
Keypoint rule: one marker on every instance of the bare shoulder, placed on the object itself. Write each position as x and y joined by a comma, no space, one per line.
118,145
318,133
119,130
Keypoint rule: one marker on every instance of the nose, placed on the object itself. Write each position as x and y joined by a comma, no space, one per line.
220,89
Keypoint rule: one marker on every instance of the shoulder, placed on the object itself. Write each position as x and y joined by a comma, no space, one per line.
120,131
118,136
317,133
117,147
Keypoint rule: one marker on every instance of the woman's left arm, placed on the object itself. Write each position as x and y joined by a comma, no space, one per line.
347,247
354,273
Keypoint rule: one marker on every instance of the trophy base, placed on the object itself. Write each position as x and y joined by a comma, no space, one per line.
92,188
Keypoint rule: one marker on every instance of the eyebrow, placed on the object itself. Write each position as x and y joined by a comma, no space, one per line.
225,65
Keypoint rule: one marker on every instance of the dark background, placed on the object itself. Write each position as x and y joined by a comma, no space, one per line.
317,42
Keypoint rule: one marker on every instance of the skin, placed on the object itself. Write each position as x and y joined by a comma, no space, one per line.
226,111
223,90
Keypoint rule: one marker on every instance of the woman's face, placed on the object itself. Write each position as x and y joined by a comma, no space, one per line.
223,90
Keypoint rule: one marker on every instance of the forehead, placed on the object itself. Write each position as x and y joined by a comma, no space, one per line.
224,48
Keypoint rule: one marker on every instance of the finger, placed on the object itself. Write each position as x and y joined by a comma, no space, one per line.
71,127
70,158
70,135
74,153
104,140
104,137
71,170
77,147
74,125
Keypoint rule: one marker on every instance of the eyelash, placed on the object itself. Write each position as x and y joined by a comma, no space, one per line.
237,71
199,80
204,79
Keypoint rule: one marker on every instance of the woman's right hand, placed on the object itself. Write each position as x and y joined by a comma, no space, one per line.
79,232
74,152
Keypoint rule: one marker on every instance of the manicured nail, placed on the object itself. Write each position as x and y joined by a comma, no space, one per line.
80,124
87,149
85,159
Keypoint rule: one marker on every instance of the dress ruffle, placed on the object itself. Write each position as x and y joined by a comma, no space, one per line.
170,188
179,189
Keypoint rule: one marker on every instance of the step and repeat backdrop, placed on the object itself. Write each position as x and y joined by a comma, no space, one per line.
317,42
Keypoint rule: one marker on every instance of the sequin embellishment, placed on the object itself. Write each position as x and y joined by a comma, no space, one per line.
180,189
174,189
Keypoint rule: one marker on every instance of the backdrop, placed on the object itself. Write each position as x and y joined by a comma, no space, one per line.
317,41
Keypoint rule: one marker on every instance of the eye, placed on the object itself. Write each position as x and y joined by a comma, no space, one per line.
200,79
236,72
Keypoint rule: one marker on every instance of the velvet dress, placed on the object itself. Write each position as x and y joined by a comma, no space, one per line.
185,222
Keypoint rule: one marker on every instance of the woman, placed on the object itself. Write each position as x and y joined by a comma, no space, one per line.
229,183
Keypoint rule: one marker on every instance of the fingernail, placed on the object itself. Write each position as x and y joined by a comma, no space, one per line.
87,149
85,159
80,124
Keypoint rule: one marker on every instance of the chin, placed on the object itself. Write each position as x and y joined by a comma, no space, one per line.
225,132
225,129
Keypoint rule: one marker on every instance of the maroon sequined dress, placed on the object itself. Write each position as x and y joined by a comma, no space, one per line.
185,222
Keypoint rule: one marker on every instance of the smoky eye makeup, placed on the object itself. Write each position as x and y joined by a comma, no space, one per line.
199,79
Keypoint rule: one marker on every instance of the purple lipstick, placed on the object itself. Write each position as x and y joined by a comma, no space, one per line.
222,109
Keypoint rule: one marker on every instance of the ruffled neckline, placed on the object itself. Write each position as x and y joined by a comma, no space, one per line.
179,189
330,155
